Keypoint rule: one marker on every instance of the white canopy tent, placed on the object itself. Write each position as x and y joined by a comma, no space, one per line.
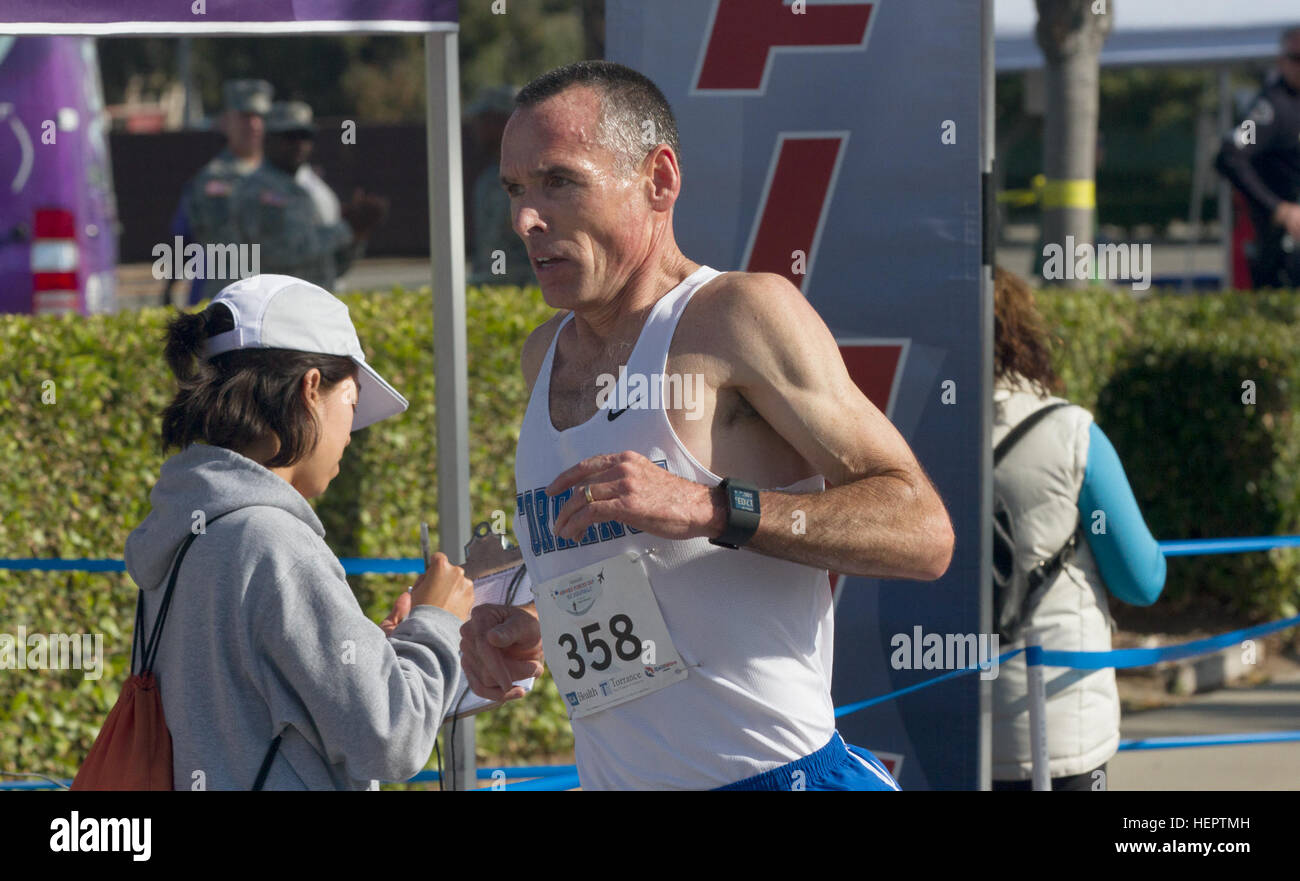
1193,33
438,20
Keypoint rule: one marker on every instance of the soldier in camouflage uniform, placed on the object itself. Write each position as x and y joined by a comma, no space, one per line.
273,210
203,215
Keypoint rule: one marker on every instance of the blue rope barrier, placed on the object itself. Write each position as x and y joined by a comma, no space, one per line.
1122,659
1195,546
1117,658
542,784
513,772
351,565
558,777
61,565
862,705
33,784
1192,740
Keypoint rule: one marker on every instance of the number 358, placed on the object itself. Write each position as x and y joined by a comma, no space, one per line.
627,645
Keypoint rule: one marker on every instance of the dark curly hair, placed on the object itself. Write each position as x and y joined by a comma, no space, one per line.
238,398
1021,343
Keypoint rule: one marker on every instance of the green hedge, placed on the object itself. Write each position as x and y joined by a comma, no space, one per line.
1164,380
75,477
1163,377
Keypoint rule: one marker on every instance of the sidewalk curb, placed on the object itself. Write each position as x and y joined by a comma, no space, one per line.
1211,672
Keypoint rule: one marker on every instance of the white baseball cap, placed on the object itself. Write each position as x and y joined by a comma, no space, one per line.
283,312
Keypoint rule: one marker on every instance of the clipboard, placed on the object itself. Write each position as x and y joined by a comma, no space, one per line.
497,569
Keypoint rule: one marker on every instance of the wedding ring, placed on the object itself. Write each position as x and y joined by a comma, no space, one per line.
586,491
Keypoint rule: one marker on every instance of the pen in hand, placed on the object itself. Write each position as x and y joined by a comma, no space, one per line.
424,550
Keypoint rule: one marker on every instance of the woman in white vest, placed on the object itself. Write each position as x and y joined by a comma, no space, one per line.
1060,478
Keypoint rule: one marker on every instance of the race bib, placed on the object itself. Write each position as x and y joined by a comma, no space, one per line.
604,637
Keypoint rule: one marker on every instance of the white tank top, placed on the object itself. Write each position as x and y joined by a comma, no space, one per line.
755,632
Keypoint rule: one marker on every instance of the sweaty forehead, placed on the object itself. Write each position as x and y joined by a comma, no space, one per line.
564,127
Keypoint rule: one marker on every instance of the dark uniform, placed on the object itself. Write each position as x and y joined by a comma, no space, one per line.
271,209
1267,172
203,215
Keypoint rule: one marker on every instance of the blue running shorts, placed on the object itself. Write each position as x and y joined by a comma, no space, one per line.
836,766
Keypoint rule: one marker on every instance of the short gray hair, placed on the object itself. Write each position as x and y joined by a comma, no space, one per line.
634,115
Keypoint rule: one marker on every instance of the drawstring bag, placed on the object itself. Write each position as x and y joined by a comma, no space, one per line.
133,750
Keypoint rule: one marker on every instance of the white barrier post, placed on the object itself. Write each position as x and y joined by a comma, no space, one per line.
1037,688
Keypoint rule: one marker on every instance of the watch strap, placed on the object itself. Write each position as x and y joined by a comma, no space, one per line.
743,513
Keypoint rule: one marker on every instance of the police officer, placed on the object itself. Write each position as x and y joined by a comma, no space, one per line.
273,210
203,215
1262,159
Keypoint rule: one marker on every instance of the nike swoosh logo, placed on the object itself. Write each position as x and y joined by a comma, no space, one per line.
614,414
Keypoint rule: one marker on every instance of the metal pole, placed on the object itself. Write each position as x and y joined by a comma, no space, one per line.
186,66
984,765
1225,189
1038,751
1200,171
447,250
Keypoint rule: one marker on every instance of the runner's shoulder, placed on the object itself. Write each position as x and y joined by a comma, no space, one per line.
736,306
534,350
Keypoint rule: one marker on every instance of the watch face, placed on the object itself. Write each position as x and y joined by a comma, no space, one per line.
744,500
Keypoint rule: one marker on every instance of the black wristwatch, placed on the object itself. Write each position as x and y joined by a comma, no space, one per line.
742,513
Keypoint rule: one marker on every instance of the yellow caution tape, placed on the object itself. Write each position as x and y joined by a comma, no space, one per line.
1070,194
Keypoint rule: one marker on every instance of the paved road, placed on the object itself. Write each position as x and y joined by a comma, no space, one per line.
1276,766
137,287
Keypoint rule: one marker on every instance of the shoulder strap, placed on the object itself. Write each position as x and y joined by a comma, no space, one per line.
1014,435
150,646
1045,570
266,763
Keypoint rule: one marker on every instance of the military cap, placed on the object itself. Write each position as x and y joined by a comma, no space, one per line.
290,116
248,96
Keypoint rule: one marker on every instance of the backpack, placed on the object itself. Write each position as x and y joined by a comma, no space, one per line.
1017,593
133,749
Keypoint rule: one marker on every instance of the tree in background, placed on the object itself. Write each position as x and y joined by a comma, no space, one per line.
1071,34
528,39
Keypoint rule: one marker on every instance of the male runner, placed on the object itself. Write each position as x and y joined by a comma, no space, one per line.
685,664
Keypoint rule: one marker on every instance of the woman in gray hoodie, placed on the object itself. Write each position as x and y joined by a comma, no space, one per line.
263,636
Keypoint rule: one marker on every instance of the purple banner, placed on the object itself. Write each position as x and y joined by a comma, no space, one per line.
231,16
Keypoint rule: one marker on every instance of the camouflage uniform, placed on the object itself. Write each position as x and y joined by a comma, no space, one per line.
206,200
273,210
203,215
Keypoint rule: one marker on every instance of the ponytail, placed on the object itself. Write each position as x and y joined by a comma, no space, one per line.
239,398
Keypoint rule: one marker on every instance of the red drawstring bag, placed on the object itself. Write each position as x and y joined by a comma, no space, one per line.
134,748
